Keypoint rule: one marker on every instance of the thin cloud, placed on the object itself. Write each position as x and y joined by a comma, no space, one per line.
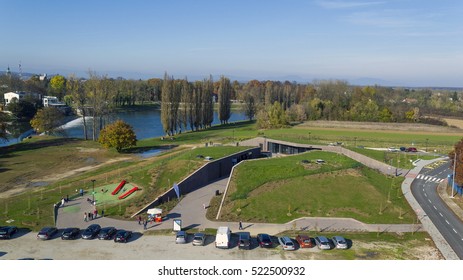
328,4
385,20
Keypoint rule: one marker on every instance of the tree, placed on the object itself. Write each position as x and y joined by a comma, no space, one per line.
458,164
250,106
58,86
3,125
80,97
225,90
22,109
118,135
47,120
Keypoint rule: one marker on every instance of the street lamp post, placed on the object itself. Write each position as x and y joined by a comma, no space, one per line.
454,173
93,190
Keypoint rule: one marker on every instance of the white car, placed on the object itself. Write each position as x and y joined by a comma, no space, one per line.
339,242
392,149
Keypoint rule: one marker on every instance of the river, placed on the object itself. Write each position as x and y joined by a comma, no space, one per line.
146,124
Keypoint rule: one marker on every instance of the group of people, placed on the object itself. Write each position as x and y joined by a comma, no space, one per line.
92,215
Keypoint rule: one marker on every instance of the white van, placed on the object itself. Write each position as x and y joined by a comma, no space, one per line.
222,239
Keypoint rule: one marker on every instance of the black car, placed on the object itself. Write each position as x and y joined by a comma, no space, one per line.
244,240
7,231
107,233
264,240
70,233
47,233
91,231
122,236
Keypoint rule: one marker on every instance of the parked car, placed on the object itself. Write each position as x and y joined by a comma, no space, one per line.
70,233
393,149
339,242
411,150
264,240
47,233
122,236
107,233
286,243
180,237
223,238
305,241
199,239
322,243
402,149
7,231
91,231
244,240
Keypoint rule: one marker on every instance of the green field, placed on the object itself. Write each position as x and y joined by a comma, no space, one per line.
282,189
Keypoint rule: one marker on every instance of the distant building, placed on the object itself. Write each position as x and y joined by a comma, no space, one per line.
20,95
52,101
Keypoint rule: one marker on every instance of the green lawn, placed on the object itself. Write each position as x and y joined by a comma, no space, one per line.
280,190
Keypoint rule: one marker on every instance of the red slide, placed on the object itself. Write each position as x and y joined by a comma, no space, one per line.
116,190
127,193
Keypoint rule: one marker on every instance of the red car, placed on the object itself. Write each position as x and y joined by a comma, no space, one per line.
411,149
304,241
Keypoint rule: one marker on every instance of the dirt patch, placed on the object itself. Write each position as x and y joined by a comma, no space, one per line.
405,127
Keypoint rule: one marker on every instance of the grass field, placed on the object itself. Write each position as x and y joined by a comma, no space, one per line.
282,189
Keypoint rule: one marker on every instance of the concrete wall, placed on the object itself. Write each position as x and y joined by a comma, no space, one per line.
210,172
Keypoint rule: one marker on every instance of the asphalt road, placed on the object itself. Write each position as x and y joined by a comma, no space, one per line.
424,189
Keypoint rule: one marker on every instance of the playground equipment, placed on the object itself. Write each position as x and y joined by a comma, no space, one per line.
129,192
119,187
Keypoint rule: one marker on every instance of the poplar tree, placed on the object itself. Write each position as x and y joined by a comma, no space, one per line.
207,102
224,100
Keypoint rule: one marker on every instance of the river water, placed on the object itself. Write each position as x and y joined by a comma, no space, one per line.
146,124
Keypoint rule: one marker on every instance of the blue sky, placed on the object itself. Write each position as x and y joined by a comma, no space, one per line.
400,42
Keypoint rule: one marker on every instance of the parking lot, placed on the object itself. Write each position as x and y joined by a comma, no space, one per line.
140,247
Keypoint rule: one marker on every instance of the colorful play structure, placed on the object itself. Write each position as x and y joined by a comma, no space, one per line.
119,187
129,192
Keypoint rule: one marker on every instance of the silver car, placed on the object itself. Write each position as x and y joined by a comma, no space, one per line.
322,243
199,239
339,242
181,237
286,243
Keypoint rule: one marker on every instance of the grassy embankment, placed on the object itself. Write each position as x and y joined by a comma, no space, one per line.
282,189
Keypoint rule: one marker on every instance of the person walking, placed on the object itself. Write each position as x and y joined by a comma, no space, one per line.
85,216
145,223
95,213
241,225
102,213
139,220
62,201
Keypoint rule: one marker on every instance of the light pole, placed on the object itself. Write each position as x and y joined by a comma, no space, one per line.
93,190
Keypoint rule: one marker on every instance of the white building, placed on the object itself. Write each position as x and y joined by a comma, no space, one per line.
19,95
50,101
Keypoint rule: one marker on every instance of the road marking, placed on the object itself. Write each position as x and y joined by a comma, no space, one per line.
447,222
429,201
435,207
455,231
441,214
425,194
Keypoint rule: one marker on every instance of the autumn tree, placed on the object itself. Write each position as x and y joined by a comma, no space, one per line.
47,120
456,162
58,86
117,135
